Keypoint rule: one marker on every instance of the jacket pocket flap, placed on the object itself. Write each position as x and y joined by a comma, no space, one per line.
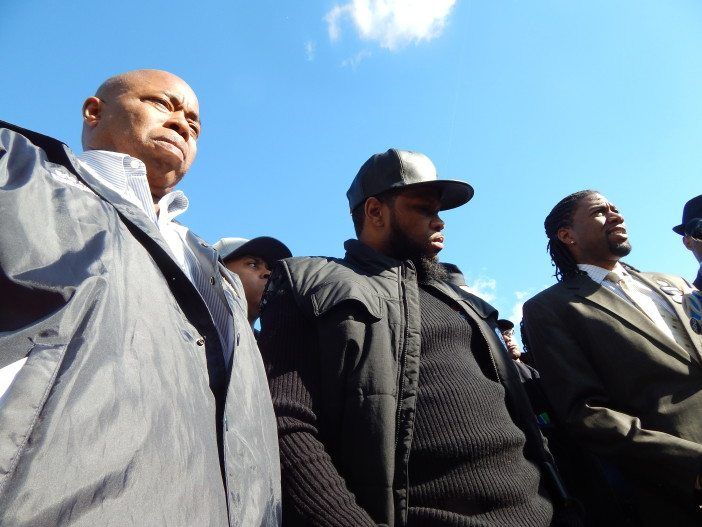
328,296
479,306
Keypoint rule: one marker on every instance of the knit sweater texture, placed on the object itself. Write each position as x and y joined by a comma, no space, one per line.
466,464
457,477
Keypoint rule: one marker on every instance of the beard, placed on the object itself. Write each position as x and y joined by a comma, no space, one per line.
620,249
402,247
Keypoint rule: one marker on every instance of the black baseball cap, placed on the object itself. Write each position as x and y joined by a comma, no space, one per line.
691,211
265,247
503,324
403,169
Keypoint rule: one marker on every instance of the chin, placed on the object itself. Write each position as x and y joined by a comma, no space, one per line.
621,249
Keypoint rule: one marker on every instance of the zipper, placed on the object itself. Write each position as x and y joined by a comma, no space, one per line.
492,358
403,355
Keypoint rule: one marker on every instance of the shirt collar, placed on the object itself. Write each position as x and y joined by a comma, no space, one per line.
171,205
113,168
127,176
598,274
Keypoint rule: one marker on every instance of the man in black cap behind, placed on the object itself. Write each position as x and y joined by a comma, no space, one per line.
691,231
365,439
252,260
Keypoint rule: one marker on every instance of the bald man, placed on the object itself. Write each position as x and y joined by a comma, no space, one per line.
131,388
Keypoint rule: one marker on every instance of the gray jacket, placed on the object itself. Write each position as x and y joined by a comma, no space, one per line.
124,412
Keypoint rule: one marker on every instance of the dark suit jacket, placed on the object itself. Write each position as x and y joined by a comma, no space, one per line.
698,280
623,388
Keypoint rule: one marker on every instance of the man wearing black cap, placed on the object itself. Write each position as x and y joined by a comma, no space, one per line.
691,231
252,260
365,439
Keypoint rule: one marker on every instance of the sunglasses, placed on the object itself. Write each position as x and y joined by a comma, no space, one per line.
693,229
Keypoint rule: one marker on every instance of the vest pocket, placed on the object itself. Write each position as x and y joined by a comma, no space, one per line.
327,296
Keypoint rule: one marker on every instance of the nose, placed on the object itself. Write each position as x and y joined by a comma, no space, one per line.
438,224
179,123
615,217
266,274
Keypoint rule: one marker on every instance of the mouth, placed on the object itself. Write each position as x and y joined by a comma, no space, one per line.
618,231
437,243
172,146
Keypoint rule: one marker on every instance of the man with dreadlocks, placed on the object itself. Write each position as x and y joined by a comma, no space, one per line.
618,360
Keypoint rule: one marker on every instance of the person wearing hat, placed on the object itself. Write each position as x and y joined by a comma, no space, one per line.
507,330
252,260
344,341
691,231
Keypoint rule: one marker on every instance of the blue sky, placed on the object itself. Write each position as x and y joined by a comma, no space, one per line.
528,101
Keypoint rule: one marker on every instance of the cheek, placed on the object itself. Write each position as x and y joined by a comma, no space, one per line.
192,151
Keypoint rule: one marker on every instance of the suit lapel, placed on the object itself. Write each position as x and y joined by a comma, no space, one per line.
619,308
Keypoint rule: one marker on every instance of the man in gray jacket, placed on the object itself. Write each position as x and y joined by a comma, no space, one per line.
137,394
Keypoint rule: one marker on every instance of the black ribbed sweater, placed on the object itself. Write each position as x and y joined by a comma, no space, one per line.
314,494
466,465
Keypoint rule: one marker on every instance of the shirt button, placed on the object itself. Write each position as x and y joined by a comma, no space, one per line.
200,341
212,280
134,163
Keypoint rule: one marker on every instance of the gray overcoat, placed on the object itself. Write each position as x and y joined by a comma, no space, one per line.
124,412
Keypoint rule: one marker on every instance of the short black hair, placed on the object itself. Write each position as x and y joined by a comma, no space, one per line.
358,215
562,216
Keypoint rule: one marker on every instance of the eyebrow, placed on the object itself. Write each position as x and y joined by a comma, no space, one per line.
190,114
603,206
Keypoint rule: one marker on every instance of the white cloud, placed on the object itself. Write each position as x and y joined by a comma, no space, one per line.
310,49
353,62
391,23
516,315
485,288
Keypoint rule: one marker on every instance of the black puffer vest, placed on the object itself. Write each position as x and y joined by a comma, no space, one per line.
366,311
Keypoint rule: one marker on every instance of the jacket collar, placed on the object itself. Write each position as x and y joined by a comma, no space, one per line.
58,153
370,260
128,210
375,263
586,288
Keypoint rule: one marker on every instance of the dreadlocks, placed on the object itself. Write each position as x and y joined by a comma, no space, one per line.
562,216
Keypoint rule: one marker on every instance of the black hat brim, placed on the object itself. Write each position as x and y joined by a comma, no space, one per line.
264,247
454,193
679,229
503,324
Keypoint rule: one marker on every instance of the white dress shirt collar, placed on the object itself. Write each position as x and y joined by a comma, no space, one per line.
598,274
126,175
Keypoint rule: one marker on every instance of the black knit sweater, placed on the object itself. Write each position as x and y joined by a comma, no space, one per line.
456,478
466,464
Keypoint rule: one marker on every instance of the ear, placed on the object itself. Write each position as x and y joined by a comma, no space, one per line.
565,235
375,214
92,111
